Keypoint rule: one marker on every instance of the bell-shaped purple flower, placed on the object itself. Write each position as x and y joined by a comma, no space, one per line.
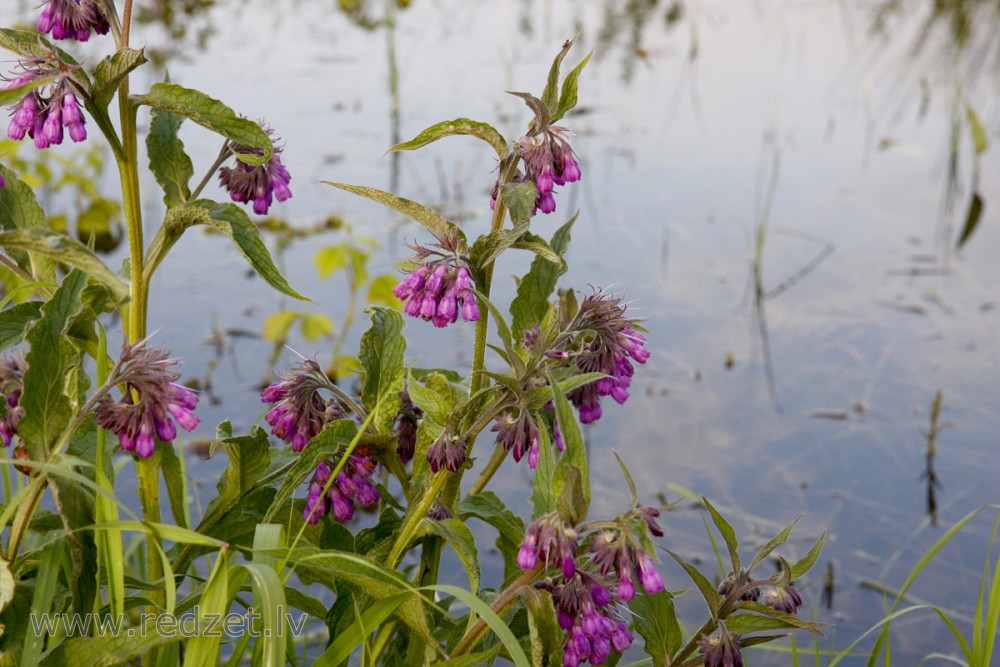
12,369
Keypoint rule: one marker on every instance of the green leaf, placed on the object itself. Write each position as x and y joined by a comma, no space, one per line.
448,128
111,71
47,407
380,291
533,293
330,259
487,506
203,649
381,356
706,588
571,504
249,456
633,494
542,395
460,538
568,96
269,606
520,199
315,326
495,623
543,500
728,534
765,618
799,568
537,245
430,219
543,626
277,325
656,622
374,578
212,114
19,210
31,43
980,140
176,483
14,322
67,250
551,94
341,648
972,218
234,222
435,404
168,160
334,437
771,545
575,454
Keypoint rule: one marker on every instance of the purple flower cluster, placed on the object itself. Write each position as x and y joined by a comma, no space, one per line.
549,540
41,116
588,613
406,427
549,161
73,19
437,291
337,497
613,550
151,401
781,598
612,343
12,369
448,451
300,410
261,183
518,433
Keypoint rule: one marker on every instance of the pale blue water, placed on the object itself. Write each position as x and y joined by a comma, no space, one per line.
677,158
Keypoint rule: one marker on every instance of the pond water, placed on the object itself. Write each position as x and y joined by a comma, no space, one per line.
804,389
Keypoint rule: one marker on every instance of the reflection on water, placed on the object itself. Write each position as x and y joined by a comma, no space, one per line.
815,264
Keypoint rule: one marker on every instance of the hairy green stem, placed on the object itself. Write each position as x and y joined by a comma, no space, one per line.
707,628
506,598
496,460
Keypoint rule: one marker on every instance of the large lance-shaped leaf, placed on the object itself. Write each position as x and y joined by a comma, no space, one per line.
381,356
203,648
232,221
20,210
47,407
111,71
66,250
551,94
213,114
430,219
375,579
656,622
167,158
448,128
532,300
568,95
575,454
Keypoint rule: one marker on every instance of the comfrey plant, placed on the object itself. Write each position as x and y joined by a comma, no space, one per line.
398,442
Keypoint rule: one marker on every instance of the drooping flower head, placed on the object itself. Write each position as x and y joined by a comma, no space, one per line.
549,160
440,287
46,111
301,410
518,433
551,541
12,369
608,345
782,598
618,551
151,401
721,649
447,452
352,484
261,183
406,427
73,19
